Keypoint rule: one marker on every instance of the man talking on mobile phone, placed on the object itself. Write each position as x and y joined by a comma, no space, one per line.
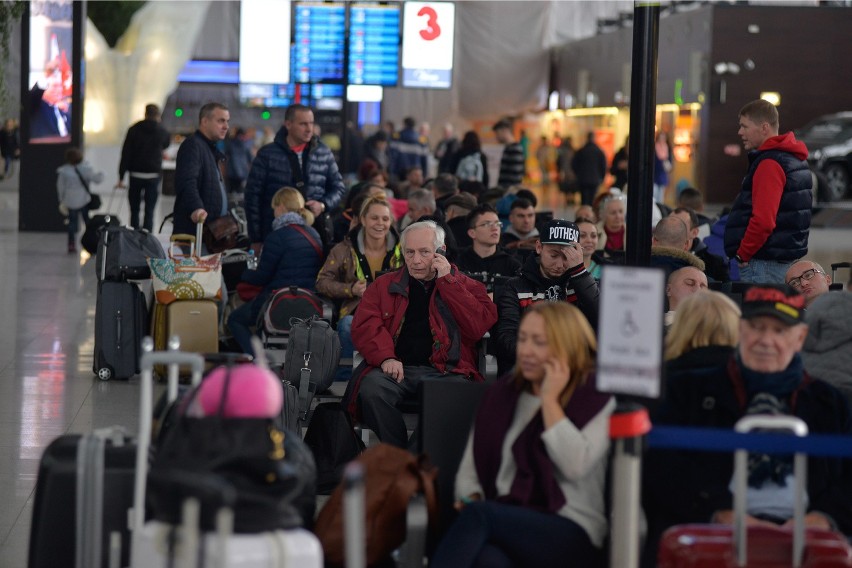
418,323
555,274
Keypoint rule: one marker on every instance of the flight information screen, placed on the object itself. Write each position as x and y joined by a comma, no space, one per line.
374,44
318,42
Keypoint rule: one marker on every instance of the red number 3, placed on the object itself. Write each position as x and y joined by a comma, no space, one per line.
433,30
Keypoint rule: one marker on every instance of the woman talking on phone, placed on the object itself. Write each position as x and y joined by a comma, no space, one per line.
530,486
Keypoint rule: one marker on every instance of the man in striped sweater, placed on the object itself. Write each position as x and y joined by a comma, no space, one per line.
512,165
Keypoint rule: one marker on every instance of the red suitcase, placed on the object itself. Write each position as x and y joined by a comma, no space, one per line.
718,546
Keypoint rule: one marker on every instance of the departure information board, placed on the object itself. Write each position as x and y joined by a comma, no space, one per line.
374,44
319,42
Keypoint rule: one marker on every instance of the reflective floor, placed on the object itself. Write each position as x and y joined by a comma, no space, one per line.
47,308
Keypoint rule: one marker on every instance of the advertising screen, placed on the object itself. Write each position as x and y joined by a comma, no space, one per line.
50,78
427,44
374,44
319,42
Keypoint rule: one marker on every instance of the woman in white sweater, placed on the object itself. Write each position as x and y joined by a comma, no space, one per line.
530,486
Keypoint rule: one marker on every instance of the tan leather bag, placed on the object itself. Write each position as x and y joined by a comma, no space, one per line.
391,477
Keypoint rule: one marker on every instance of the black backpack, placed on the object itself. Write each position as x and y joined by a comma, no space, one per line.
92,234
313,354
333,442
286,304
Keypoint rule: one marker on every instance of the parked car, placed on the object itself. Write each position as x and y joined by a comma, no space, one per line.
829,141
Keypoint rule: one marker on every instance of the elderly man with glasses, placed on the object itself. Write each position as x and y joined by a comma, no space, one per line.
809,279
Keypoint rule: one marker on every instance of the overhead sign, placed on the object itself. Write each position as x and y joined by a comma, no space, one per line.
264,41
374,44
630,331
319,42
428,34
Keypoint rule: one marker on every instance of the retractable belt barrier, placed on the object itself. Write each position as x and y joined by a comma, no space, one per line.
722,440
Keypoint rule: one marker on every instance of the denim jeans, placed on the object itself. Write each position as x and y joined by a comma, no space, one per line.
242,320
765,271
138,187
493,534
73,223
344,332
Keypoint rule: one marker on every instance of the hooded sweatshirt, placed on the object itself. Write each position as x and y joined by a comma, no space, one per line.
771,217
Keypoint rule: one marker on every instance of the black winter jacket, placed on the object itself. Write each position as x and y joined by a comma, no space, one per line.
198,182
272,169
576,286
500,262
704,388
143,147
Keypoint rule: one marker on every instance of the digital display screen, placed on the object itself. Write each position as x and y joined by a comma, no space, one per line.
374,44
281,96
318,42
274,96
51,80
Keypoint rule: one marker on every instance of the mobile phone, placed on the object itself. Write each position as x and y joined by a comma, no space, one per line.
441,251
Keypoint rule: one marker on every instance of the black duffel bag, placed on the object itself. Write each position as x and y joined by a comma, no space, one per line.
123,253
272,471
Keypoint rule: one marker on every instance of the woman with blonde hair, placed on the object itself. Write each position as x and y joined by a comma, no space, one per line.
370,247
292,256
535,463
706,322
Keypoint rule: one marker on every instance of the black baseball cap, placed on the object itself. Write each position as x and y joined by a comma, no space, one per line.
560,232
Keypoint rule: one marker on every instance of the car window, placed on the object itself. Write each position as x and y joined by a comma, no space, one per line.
827,131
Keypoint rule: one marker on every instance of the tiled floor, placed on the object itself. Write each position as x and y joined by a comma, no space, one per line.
47,306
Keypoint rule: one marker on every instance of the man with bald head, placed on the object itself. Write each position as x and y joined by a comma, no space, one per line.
670,246
809,279
681,284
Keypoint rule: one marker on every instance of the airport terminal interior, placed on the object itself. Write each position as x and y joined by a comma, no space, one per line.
47,296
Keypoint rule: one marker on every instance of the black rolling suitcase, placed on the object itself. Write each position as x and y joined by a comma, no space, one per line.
121,321
82,521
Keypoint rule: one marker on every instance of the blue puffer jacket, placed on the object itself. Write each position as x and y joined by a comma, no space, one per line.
198,182
271,170
789,240
288,259
407,151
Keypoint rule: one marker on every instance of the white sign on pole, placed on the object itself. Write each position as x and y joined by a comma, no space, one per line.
428,35
630,331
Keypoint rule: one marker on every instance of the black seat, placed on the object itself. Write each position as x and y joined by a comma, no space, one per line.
447,410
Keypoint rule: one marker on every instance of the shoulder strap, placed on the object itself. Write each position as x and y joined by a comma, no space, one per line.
82,180
311,240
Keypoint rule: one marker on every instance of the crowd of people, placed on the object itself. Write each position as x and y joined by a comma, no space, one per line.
420,270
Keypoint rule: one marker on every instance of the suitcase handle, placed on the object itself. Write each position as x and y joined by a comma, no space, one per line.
173,359
769,422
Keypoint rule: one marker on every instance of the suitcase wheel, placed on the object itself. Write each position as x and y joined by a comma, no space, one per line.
104,373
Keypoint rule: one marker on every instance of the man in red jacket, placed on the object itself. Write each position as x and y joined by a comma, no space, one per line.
418,323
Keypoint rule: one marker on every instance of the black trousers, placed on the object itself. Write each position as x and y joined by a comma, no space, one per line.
379,394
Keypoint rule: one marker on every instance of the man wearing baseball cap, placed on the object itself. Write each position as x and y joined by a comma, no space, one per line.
764,376
555,274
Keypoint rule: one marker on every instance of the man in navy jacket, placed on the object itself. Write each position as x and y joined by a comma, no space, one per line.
199,183
296,159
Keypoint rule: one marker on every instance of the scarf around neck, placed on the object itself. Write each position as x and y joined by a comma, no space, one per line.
288,218
535,485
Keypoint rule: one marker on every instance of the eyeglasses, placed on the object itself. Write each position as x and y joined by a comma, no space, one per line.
489,224
806,275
